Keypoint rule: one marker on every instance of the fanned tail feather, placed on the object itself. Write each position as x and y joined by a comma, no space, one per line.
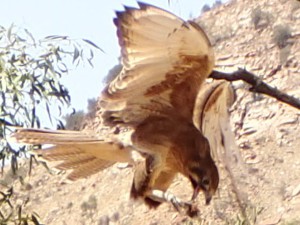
89,168
85,154
43,136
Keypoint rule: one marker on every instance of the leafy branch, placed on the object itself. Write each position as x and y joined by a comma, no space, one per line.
29,78
30,72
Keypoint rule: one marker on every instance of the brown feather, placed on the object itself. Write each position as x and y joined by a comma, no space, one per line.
160,53
89,169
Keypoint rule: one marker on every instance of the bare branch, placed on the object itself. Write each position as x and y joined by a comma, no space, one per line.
258,85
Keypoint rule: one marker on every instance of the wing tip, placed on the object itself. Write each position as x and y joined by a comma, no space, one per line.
143,5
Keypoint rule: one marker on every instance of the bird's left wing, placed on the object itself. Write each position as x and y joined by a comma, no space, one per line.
165,59
212,118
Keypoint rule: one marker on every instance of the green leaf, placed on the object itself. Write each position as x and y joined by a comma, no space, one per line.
9,31
53,37
91,54
48,112
90,62
93,44
30,72
30,35
35,89
76,54
62,67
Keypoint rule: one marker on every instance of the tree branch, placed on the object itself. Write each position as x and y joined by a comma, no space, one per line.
257,85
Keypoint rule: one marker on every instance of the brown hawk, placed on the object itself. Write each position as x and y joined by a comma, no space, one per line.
173,115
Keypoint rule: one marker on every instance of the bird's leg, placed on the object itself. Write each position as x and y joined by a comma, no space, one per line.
164,196
145,176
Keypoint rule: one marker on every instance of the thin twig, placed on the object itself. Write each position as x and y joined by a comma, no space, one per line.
258,85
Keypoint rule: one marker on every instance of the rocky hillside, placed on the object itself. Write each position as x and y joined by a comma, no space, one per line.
261,36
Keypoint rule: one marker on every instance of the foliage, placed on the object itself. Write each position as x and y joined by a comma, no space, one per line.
30,72
216,4
92,107
75,121
281,35
112,73
11,176
89,206
29,79
284,54
205,8
8,207
260,19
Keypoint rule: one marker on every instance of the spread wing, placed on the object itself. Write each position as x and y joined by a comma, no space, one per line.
212,117
165,60
82,152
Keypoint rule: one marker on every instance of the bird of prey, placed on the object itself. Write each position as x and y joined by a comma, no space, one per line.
162,99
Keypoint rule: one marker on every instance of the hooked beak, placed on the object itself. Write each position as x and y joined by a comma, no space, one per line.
208,195
196,192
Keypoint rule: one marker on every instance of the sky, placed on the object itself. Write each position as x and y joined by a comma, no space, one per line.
89,19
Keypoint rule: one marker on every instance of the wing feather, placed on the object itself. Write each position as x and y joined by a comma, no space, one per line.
161,54
212,117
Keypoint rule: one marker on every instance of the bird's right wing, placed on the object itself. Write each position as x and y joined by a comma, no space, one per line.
85,154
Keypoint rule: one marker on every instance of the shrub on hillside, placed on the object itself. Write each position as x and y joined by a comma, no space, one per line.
205,8
260,19
284,54
75,120
217,3
281,34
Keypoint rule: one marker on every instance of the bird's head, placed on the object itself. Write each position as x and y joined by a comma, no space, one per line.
202,170
204,178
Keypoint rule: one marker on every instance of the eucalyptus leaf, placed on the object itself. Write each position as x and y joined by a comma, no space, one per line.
30,72
93,44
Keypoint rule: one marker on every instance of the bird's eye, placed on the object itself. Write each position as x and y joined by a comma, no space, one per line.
205,182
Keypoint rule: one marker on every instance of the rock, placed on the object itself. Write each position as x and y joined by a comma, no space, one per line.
252,159
224,57
271,221
245,145
115,217
123,165
290,121
104,220
249,131
296,191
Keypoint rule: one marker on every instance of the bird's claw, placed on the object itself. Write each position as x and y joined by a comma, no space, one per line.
189,208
